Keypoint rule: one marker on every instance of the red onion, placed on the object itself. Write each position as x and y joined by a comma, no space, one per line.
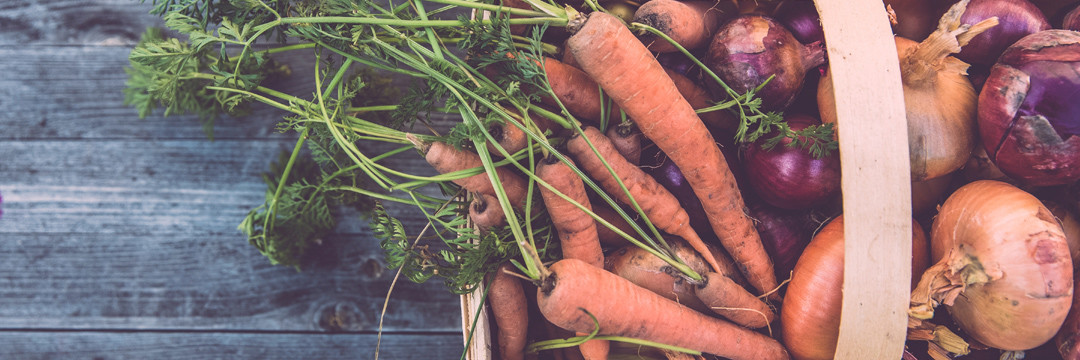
750,48
1028,109
915,19
1072,20
784,233
801,18
789,177
1016,19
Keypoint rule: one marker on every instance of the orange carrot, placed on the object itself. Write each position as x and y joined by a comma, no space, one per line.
723,296
509,136
662,208
627,141
575,289
649,271
486,212
506,297
577,92
689,23
577,230
606,50
445,158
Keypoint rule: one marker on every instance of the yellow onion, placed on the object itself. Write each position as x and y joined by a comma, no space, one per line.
810,314
1003,268
939,98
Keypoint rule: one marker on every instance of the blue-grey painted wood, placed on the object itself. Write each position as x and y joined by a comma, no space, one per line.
118,237
210,346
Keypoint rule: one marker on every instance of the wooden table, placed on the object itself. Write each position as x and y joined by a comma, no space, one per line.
118,236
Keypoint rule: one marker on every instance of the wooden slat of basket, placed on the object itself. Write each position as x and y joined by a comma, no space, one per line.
872,126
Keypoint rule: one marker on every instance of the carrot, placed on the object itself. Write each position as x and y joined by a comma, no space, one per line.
575,289
577,230
594,349
606,50
649,271
689,23
627,141
699,98
726,298
486,212
445,159
656,202
506,297
577,92
509,136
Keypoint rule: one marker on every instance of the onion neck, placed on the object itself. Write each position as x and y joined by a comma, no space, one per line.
925,60
813,55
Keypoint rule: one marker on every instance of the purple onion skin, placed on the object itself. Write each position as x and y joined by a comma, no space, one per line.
749,49
1072,20
784,234
1016,19
789,177
801,18
1029,109
668,175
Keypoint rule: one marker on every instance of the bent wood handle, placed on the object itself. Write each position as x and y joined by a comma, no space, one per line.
876,184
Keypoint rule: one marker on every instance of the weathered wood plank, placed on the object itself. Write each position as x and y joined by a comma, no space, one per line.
76,92
194,187
99,22
142,234
207,346
98,281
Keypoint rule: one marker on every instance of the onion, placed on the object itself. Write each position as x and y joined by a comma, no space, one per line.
1072,20
668,175
927,194
750,48
801,18
1003,267
784,234
939,99
810,314
915,19
1028,109
789,177
1016,19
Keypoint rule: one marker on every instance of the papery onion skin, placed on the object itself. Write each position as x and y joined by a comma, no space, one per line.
749,49
810,315
1016,19
790,177
940,112
1028,109
1011,235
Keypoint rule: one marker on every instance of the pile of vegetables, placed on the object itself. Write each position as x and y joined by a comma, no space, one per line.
656,179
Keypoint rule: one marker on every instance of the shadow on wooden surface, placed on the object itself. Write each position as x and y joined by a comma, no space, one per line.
119,234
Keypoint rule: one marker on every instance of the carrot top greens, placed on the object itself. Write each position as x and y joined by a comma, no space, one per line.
387,74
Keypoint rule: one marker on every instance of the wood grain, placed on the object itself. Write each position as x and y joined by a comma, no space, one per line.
872,127
194,187
209,346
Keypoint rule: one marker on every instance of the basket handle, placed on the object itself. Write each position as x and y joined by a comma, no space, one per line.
876,182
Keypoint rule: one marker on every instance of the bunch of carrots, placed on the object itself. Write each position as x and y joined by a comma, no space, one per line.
543,194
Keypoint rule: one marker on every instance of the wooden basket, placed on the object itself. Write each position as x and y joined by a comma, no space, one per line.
876,184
